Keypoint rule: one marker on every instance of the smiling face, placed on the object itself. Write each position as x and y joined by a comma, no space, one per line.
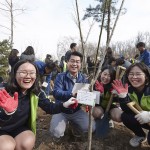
137,78
141,49
26,76
105,77
74,64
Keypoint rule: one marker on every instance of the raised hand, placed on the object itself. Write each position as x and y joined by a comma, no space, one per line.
8,103
72,103
99,86
121,90
143,117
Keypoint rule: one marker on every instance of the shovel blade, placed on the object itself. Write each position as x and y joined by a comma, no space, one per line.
102,127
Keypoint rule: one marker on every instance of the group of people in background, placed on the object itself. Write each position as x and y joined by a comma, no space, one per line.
29,86
114,61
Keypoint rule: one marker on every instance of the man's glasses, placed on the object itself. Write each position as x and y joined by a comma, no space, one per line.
24,74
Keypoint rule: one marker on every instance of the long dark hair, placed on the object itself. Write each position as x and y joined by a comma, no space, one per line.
13,86
13,53
143,67
111,70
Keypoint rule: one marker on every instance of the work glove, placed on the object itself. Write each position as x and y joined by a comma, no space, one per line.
143,117
8,103
87,109
119,89
72,103
99,86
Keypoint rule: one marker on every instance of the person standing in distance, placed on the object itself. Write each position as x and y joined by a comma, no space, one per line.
144,54
73,47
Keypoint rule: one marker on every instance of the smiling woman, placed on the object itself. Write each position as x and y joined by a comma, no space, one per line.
18,113
137,76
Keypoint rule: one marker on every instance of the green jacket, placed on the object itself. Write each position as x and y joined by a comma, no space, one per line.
105,99
145,100
34,105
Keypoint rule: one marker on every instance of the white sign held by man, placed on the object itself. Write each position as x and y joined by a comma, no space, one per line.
86,98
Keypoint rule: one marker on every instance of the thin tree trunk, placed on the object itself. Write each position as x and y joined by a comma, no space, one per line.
116,20
108,19
81,37
107,45
100,35
12,22
91,87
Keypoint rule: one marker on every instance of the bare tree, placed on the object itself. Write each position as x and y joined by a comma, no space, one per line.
63,45
8,7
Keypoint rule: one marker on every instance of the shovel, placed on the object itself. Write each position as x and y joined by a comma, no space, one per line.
102,125
135,108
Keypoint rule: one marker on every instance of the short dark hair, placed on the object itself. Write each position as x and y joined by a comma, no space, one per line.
120,61
75,53
111,59
50,65
140,44
29,51
72,45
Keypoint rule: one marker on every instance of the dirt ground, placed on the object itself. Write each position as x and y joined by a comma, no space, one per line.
117,138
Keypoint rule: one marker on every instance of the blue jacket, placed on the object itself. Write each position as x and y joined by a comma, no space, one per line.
63,88
41,68
145,57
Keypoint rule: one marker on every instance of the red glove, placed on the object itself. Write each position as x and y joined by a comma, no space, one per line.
73,106
99,86
120,89
87,108
8,103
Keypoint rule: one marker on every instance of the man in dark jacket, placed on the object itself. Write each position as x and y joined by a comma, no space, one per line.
63,86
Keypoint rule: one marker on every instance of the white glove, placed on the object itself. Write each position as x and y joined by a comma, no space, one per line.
143,117
121,95
69,102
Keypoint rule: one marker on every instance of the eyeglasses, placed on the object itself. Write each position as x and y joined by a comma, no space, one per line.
136,74
73,62
24,74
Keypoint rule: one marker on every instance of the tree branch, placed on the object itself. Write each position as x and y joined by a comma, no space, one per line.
4,9
5,27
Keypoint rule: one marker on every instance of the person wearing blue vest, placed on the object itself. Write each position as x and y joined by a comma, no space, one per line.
18,107
136,89
144,54
45,71
62,91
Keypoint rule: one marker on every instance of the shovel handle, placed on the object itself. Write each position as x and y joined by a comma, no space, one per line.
135,108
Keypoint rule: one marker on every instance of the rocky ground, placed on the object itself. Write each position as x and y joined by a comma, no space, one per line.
117,138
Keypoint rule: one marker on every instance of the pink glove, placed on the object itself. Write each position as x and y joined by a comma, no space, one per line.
8,103
99,86
119,88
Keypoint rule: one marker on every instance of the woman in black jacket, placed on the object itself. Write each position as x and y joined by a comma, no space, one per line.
18,113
